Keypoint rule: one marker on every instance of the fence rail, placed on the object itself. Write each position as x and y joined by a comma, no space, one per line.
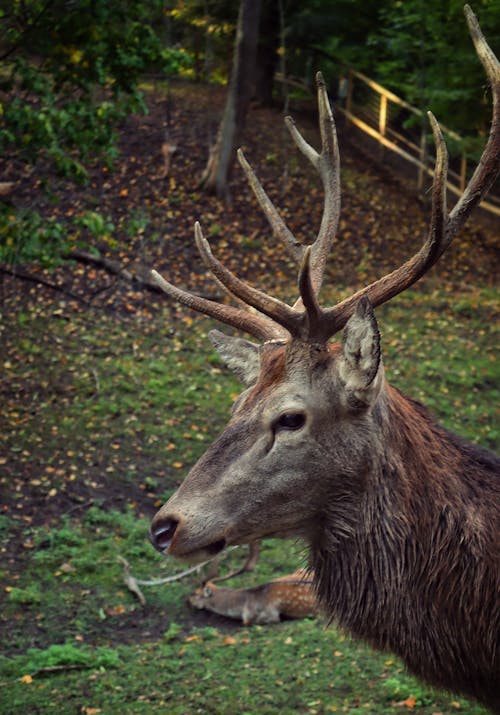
382,115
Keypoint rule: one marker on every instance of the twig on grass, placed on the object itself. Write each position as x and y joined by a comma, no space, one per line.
133,583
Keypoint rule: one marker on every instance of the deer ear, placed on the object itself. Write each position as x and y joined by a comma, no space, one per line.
240,355
361,361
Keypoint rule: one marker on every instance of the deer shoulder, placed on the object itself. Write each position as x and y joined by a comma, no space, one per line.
286,597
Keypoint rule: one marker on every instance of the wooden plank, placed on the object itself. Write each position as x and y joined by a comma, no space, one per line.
386,93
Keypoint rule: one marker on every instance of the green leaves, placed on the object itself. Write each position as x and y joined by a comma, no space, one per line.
54,107
25,236
423,52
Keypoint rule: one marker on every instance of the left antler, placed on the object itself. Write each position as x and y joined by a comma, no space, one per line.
306,320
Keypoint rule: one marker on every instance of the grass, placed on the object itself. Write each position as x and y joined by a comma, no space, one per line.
102,420
259,670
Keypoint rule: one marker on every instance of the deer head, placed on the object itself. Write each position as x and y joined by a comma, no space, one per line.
310,424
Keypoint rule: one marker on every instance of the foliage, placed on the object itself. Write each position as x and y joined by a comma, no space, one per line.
319,30
71,72
25,236
66,654
205,29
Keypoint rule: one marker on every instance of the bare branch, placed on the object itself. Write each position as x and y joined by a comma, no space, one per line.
249,564
133,583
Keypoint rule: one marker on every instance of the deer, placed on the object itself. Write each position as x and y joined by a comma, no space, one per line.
289,596
400,517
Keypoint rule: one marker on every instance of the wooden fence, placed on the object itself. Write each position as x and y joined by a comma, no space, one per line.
383,116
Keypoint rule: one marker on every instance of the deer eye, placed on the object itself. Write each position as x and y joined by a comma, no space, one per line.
290,421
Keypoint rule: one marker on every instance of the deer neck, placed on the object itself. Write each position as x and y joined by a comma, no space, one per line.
419,549
415,471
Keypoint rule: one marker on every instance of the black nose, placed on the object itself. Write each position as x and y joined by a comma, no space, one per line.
162,533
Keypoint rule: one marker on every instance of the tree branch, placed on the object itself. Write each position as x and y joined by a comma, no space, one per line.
115,268
17,272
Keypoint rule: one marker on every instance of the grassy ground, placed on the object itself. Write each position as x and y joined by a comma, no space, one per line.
103,411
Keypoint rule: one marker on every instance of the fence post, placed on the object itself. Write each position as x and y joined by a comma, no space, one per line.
382,117
382,121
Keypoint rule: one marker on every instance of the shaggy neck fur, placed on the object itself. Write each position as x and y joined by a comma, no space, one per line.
417,571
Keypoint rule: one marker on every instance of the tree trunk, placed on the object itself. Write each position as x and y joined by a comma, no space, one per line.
216,174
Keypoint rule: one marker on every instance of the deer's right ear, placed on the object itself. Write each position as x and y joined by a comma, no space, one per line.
240,355
361,363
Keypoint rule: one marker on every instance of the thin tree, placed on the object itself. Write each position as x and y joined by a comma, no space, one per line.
216,174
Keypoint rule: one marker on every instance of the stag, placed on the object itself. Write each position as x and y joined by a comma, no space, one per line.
402,517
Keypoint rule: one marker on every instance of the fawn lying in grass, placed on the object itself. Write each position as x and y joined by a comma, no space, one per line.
290,596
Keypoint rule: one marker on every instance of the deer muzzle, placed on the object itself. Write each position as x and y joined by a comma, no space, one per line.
169,535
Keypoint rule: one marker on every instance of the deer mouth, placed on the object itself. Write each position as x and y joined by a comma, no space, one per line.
194,556
216,547
166,539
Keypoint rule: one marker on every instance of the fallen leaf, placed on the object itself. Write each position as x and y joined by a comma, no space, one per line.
116,610
410,702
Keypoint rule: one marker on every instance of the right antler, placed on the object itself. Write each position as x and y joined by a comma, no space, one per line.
306,320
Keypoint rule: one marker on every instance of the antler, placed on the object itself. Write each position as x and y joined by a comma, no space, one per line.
306,320
275,319
327,164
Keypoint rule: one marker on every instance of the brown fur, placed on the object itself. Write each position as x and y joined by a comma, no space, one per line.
272,372
402,517
420,575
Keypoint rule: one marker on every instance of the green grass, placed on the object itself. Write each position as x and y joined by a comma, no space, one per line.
294,667
106,417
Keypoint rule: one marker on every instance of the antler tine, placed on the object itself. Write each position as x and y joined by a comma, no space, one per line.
278,226
443,226
390,285
314,313
327,164
275,309
256,325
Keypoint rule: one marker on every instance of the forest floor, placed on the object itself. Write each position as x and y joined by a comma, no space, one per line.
109,392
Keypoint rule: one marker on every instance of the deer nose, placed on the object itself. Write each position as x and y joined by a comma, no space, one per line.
162,532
